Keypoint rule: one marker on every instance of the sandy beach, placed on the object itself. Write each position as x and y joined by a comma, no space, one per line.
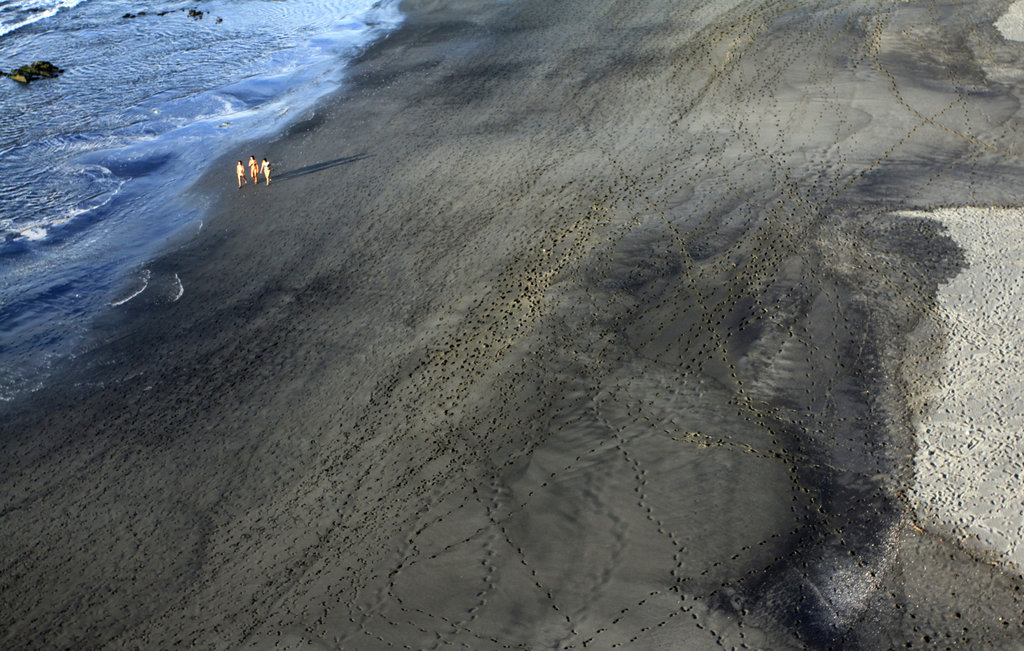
597,324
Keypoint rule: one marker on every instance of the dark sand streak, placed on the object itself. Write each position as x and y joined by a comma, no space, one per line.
574,324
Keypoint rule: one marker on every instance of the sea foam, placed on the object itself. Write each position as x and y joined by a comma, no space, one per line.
26,12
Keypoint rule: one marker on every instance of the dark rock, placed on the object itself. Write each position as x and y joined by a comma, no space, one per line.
37,70
192,13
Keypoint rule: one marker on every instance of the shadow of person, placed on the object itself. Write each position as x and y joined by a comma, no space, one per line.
318,167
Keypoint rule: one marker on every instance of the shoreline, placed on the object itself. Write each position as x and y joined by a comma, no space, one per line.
109,198
561,325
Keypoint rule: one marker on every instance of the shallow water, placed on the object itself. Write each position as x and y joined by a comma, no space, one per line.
93,164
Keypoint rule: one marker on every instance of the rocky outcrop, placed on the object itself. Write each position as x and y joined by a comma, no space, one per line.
195,14
37,70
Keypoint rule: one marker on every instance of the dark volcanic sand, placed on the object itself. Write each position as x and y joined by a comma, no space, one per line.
568,324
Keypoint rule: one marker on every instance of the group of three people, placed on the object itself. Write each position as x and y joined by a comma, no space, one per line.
254,169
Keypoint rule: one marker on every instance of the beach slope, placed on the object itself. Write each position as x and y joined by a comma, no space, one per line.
567,324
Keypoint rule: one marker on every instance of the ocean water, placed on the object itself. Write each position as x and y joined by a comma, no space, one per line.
93,164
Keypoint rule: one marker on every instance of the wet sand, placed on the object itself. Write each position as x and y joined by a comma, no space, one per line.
589,324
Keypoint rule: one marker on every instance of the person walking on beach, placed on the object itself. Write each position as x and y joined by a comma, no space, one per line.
240,171
266,170
254,169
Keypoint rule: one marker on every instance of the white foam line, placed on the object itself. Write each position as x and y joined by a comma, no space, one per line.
145,284
38,15
181,289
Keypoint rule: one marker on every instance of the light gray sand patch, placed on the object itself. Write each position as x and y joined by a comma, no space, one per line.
970,459
1011,24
